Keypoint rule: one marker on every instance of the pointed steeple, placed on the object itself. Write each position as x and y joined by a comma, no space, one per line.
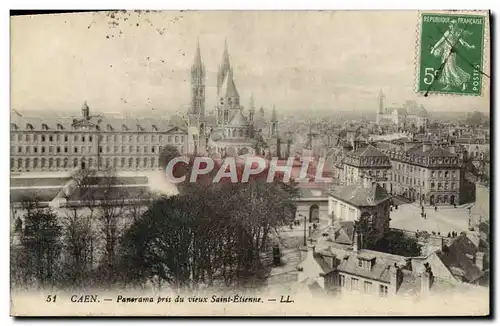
251,110
197,63
224,67
197,83
251,104
228,88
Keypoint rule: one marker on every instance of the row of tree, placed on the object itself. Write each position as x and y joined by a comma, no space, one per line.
209,234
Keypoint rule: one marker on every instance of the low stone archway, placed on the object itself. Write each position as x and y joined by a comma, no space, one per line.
314,213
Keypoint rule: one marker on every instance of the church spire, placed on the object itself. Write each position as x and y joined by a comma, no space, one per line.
224,67
197,58
197,83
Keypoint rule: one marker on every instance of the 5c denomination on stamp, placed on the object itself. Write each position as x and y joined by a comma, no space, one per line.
451,54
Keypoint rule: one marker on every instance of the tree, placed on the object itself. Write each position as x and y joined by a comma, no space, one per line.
209,235
397,243
41,243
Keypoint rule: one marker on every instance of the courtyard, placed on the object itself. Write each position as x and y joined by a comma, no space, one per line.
443,220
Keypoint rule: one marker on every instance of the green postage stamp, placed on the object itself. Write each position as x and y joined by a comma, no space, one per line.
451,54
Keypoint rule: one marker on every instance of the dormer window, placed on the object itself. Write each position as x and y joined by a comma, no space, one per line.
109,128
59,126
155,128
124,127
13,126
366,262
45,126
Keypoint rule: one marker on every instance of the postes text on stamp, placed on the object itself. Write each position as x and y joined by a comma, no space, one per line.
451,54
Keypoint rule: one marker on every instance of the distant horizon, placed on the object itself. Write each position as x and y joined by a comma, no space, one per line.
295,60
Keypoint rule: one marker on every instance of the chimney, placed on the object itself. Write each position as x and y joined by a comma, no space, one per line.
425,283
426,147
480,260
393,272
356,242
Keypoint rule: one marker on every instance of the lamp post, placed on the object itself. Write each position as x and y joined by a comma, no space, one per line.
305,229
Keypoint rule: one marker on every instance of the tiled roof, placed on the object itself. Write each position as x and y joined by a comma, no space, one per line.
103,123
368,151
345,232
381,269
455,259
359,195
433,152
238,119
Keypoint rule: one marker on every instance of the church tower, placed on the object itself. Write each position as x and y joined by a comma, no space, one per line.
251,110
224,67
228,98
380,110
274,123
197,84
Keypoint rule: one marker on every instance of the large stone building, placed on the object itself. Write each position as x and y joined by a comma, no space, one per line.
426,173
93,142
366,160
227,130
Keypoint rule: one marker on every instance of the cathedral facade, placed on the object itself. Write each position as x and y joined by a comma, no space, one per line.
228,130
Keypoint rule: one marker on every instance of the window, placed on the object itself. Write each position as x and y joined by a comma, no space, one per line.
43,138
152,149
90,138
137,162
122,162
35,149
137,149
432,185
176,139
354,284
153,138
100,149
169,139
130,162
130,138
58,149
50,149
50,138
65,149
145,149
75,150
65,138
367,287
342,280
383,290
83,138
19,149
43,149
75,138
35,137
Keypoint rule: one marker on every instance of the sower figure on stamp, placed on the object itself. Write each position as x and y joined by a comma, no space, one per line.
451,75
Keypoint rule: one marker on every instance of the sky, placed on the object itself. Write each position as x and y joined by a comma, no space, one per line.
295,60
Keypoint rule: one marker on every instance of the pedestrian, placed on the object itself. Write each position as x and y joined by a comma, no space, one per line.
435,208
439,233
449,235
